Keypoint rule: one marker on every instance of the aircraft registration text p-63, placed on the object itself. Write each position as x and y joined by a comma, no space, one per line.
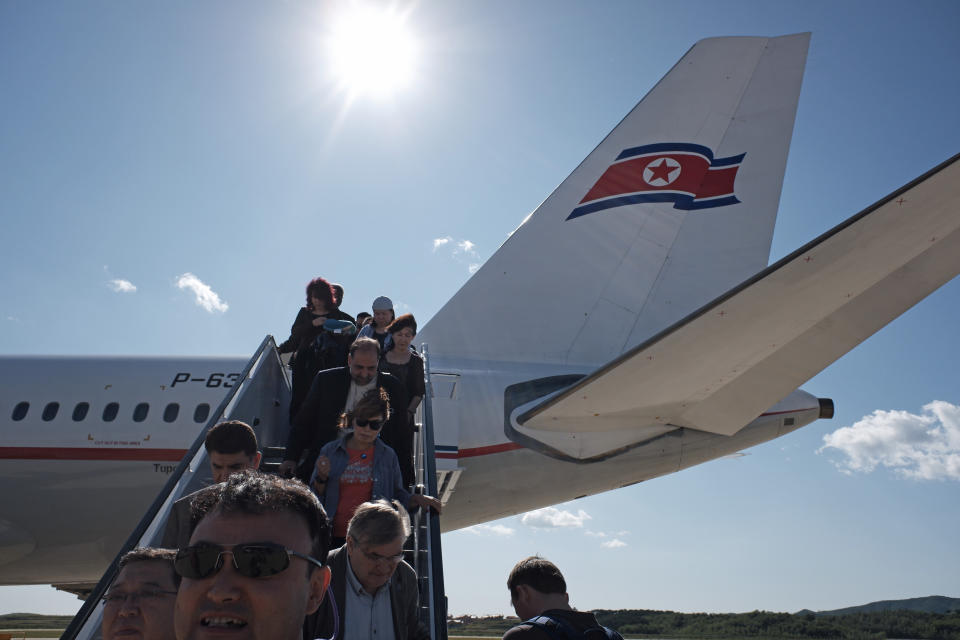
225,380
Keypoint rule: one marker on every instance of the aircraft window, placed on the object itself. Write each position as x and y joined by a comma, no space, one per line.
110,412
202,413
50,411
20,411
140,412
80,411
171,412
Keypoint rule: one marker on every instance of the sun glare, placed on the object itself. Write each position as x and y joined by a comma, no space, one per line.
372,51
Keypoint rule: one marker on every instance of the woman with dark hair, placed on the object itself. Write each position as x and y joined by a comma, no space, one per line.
406,365
358,466
314,347
383,315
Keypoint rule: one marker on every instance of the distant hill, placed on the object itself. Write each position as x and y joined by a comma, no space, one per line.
930,604
915,618
33,621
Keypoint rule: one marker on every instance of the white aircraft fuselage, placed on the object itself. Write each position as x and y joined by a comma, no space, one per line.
75,489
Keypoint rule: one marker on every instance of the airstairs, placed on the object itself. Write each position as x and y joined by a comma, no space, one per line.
262,399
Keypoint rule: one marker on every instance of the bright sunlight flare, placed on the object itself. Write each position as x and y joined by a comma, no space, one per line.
372,51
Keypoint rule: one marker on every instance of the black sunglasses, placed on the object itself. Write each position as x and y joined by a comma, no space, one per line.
371,424
251,559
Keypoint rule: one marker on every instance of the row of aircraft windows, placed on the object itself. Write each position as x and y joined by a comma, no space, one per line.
110,411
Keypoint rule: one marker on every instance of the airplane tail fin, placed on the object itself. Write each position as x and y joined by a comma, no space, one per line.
676,205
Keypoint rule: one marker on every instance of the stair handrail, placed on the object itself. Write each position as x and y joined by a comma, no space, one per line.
436,593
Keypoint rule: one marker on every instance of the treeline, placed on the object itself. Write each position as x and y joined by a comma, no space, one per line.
33,621
905,625
762,624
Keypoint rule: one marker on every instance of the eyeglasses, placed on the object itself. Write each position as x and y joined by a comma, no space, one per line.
252,559
376,557
116,598
370,424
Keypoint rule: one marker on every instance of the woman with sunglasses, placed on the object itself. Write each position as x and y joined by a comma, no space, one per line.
358,467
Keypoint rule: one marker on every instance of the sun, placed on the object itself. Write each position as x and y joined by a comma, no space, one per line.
371,51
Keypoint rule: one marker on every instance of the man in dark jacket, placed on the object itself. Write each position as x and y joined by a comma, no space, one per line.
231,447
538,594
374,589
334,391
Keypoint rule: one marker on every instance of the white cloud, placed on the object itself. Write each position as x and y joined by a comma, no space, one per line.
922,447
613,544
490,530
551,517
462,251
596,534
205,296
122,286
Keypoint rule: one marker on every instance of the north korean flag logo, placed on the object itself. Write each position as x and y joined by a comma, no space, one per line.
682,173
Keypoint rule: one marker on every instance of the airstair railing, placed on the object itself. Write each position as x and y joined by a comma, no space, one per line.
427,546
86,623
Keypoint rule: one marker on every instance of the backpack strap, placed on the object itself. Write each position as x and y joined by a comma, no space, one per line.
559,629
553,627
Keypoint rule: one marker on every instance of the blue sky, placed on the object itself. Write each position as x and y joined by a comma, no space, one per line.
147,142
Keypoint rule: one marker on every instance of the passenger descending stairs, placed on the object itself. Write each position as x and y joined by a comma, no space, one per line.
262,399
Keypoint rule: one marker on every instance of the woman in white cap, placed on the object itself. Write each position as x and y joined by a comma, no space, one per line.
383,315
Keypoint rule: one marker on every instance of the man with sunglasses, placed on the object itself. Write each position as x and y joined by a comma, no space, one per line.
231,447
334,391
139,603
375,590
254,567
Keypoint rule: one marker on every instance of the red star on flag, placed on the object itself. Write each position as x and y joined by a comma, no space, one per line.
661,171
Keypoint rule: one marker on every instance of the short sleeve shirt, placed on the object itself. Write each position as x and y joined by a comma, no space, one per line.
356,487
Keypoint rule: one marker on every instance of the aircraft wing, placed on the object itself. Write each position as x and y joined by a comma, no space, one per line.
725,364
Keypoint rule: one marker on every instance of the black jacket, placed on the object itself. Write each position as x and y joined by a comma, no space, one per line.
316,422
404,599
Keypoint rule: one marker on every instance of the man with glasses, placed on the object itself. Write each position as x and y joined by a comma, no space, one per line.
139,603
254,567
333,392
375,590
